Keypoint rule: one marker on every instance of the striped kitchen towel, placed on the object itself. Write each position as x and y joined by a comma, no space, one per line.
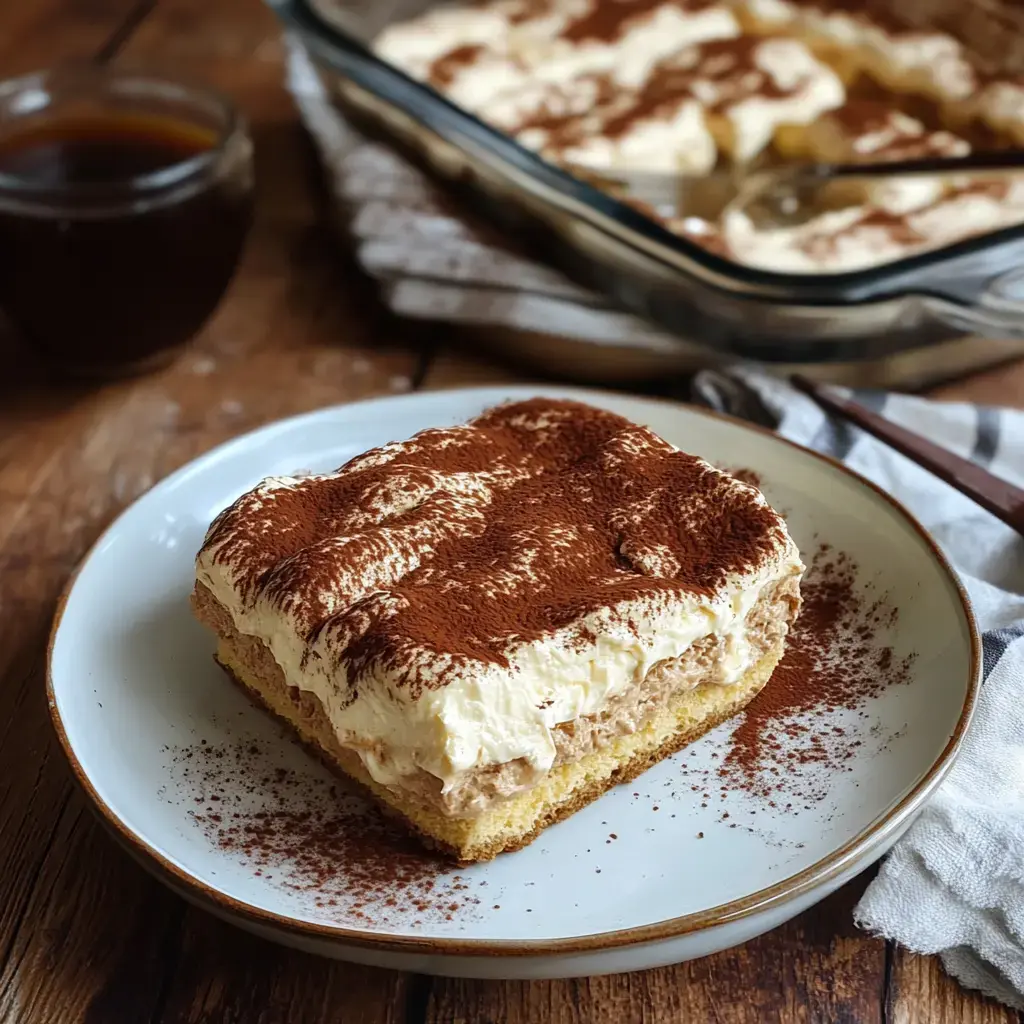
954,885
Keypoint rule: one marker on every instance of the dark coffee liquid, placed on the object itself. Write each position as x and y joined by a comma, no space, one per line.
97,286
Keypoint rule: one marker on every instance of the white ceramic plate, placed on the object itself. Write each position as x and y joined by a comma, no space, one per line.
132,683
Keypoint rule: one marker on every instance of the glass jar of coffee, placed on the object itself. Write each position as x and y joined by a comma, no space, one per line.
125,201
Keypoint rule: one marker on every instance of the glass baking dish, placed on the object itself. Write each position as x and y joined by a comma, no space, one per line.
897,310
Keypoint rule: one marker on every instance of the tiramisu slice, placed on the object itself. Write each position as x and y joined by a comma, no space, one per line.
490,625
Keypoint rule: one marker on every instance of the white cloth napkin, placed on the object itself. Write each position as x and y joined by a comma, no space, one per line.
954,885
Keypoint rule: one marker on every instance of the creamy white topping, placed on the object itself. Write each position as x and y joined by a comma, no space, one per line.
1001,106
903,218
769,15
871,131
928,63
678,141
784,84
519,46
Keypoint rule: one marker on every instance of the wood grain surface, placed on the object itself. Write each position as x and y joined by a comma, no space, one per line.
85,934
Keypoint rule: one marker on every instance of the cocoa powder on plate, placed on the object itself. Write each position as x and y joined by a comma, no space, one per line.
835,662
308,835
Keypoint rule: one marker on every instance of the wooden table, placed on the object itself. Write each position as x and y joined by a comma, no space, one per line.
85,934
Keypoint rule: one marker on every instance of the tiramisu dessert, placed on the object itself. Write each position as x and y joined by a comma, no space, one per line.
488,626
614,89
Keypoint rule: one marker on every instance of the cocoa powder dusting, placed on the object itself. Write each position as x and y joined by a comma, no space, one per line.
307,835
791,739
440,554
744,475
445,69
605,22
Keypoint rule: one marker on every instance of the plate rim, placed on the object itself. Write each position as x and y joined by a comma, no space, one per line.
784,891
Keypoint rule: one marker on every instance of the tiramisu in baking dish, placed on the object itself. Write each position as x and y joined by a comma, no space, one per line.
615,89
488,626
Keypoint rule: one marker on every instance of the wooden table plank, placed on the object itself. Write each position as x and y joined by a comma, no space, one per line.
922,993
457,367
1002,386
39,817
222,974
39,34
813,969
